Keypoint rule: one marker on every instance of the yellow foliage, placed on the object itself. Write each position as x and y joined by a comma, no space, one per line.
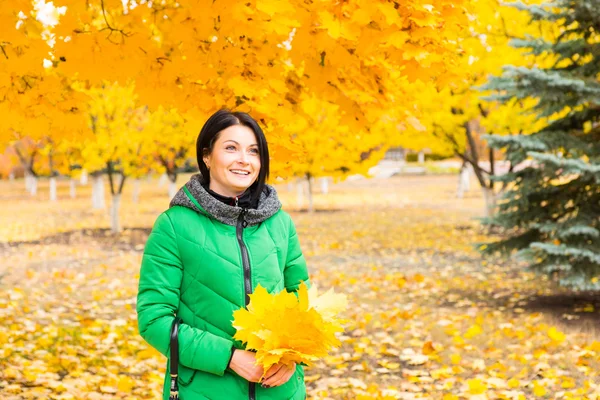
285,328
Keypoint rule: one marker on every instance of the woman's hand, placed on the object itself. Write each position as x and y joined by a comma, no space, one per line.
278,374
243,362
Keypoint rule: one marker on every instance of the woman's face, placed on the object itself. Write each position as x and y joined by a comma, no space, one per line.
234,162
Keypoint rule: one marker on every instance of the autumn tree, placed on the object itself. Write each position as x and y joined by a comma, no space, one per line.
116,146
552,210
454,117
171,143
261,56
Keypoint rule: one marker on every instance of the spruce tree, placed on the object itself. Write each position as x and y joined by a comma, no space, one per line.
550,212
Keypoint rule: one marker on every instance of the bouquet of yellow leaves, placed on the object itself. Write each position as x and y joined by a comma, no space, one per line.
283,328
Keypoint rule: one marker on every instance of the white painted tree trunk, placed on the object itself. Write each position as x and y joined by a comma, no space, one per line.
84,177
115,226
421,157
98,193
490,201
34,184
464,182
172,189
72,188
136,190
325,185
53,196
28,182
11,176
162,181
466,177
300,193
310,195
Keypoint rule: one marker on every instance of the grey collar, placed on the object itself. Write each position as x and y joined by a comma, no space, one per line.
268,204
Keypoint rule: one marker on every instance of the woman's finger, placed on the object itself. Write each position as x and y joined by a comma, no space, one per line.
273,370
275,377
281,377
286,377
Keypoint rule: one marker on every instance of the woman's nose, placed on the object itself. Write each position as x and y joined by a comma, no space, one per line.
243,158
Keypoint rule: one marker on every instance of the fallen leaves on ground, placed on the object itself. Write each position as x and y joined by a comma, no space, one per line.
427,317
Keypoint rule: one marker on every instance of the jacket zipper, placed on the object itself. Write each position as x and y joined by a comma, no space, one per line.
241,224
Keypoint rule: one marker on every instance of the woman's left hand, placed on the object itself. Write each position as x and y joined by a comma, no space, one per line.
278,374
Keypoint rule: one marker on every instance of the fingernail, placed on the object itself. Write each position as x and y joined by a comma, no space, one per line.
265,386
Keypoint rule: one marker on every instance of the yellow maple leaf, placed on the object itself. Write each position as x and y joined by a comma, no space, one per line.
125,384
476,386
556,335
538,389
329,304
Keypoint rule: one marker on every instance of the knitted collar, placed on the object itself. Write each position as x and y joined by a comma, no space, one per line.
194,196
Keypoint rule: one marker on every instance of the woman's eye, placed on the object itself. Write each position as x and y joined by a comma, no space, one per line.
254,151
230,148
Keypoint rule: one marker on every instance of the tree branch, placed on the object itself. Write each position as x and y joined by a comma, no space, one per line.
123,177
109,170
108,26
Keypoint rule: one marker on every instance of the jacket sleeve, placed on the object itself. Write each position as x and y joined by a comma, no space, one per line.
158,301
295,271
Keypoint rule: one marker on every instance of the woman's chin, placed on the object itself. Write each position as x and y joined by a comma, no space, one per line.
237,187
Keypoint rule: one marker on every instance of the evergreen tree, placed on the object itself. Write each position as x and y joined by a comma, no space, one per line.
551,210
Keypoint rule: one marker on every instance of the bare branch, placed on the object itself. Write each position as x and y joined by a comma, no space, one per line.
109,27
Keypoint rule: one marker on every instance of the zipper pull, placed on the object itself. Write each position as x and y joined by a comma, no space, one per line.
244,222
236,201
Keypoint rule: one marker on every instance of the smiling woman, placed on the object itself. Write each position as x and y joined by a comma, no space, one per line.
233,155
223,234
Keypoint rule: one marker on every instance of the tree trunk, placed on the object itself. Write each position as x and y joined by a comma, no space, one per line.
325,185
172,189
11,176
162,180
310,194
490,201
300,193
464,182
72,188
84,177
421,157
115,227
98,193
136,190
34,184
53,189
27,181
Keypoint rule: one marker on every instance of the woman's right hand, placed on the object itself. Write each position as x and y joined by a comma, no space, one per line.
242,363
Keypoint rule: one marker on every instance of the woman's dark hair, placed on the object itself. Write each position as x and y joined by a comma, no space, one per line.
209,134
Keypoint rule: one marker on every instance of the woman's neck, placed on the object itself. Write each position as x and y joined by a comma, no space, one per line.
225,193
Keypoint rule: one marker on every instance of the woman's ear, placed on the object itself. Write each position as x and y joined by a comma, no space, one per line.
206,158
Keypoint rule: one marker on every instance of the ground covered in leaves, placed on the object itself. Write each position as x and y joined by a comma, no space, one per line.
428,317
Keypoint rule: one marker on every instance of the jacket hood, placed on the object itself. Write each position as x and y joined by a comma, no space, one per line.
192,195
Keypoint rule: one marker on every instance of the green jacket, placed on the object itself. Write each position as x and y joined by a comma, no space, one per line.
200,262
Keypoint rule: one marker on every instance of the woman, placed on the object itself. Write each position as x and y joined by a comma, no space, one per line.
223,234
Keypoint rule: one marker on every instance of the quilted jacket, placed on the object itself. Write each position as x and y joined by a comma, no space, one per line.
201,261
